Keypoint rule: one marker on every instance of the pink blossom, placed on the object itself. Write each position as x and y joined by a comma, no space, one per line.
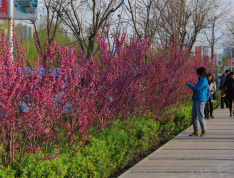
87,93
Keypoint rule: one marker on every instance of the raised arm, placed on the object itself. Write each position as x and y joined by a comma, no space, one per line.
198,87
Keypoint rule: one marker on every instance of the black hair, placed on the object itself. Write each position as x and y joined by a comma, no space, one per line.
226,71
201,71
231,73
228,77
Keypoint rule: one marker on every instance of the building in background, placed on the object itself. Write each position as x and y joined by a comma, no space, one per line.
206,51
25,32
227,52
186,43
3,28
192,53
31,31
28,31
198,51
65,32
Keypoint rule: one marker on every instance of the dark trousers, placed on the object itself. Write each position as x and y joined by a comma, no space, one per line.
210,109
230,105
224,100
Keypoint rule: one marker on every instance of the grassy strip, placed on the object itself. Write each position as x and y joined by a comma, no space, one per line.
108,152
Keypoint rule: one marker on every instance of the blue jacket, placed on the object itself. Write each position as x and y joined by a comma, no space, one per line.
200,90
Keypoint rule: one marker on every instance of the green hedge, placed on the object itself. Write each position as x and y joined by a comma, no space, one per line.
107,152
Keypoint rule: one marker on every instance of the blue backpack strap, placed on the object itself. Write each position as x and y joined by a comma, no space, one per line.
208,93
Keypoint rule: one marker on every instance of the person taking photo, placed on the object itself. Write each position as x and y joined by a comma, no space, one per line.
199,101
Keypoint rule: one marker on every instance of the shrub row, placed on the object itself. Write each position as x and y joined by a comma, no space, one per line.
106,152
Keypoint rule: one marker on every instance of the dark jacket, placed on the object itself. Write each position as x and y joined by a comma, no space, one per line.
222,81
230,88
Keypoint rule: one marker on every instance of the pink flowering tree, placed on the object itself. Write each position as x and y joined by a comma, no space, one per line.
41,111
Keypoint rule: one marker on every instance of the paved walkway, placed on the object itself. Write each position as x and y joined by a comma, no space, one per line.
190,157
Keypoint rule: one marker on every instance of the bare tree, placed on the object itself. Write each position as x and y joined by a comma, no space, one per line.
192,17
175,22
228,40
52,22
217,19
211,37
149,15
164,20
85,17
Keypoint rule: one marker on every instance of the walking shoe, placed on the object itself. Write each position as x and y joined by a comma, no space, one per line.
195,133
212,116
203,133
230,114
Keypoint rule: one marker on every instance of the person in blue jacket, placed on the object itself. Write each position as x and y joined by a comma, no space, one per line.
199,101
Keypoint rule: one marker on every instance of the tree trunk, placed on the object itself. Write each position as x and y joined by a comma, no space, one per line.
213,42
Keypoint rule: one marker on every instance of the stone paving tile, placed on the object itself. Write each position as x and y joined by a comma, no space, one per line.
179,174
193,157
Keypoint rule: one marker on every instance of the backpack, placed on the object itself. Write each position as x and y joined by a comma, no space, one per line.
208,93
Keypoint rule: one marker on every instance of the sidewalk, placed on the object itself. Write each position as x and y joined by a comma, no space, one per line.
193,157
